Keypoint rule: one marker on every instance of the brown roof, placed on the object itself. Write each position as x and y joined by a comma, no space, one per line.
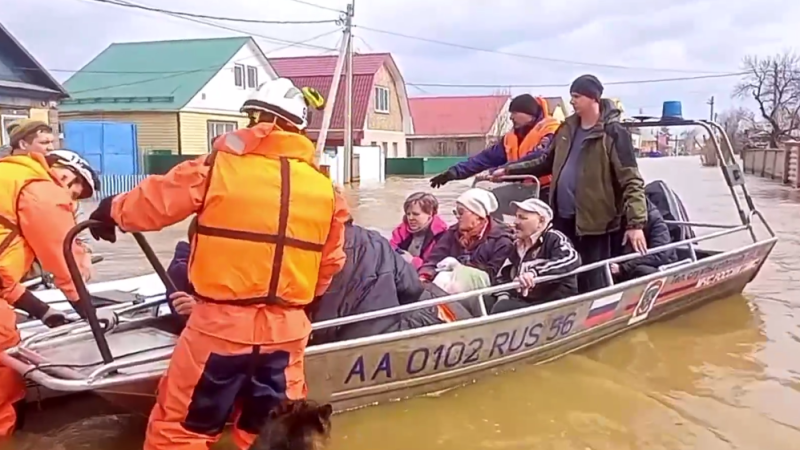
455,116
317,72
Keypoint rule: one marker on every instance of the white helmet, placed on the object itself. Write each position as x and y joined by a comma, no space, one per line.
81,167
282,98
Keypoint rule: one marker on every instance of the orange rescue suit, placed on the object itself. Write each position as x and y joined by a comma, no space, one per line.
270,236
35,216
516,150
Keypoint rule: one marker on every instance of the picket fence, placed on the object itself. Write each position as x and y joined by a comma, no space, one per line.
116,184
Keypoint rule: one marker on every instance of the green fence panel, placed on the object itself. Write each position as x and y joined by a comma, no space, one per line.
159,164
420,166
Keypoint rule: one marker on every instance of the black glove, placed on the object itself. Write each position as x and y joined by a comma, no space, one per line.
36,308
107,231
443,178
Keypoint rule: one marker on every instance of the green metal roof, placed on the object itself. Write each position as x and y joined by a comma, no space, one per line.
148,76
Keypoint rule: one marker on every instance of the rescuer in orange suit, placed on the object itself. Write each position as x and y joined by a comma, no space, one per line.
36,213
268,241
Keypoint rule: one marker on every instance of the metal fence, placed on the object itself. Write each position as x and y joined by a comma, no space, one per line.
116,184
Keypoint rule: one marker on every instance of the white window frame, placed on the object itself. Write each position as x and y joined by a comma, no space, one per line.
382,99
5,121
216,128
239,76
252,77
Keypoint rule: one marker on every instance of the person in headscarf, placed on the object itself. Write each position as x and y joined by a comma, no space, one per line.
539,251
477,240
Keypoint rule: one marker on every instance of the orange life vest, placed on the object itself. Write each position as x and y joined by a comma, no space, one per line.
16,172
516,150
265,218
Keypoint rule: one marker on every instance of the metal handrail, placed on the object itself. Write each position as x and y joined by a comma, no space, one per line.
83,292
512,285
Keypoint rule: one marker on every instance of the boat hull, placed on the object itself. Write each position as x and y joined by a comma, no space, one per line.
384,368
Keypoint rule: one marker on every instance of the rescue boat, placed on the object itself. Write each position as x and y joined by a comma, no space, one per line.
125,364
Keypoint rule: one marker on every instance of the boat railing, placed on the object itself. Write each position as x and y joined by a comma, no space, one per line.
80,327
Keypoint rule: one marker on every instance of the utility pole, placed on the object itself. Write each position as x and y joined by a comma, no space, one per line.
348,88
710,103
346,47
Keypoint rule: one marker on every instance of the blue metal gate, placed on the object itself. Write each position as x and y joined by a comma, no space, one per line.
110,147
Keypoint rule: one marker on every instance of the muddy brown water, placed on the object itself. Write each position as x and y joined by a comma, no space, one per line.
724,376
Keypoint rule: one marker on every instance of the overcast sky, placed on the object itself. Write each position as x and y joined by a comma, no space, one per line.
653,39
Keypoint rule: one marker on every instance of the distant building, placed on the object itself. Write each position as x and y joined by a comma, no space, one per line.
27,90
463,125
381,115
179,94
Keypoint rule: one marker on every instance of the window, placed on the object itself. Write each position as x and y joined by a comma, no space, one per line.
461,148
394,150
441,148
374,144
409,149
238,75
385,148
252,77
219,128
381,99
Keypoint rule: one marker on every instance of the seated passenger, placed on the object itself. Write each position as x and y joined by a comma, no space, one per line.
181,302
415,237
477,240
657,234
540,250
374,277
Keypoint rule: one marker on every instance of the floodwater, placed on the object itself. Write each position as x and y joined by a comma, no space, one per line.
724,376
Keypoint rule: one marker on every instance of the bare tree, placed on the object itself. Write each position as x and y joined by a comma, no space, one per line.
690,141
736,122
774,83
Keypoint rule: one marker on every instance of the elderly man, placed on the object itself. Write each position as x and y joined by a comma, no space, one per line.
596,180
540,251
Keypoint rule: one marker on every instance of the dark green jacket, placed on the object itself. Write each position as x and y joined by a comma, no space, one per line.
609,184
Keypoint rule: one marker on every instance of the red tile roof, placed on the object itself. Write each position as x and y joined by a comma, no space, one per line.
317,72
455,116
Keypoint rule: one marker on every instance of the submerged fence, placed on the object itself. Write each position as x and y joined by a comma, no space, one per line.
116,184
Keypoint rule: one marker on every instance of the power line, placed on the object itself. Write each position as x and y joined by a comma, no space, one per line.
177,74
225,27
204,16
327,8
610,83
532,57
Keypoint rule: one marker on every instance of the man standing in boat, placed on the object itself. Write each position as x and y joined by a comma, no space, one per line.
595,180
533,130
269,239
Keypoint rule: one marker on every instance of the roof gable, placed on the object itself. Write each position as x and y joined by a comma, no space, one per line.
317,72
456,115
149,76
35,76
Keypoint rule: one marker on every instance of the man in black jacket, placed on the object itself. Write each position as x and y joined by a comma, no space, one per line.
539,251
374,277
657,234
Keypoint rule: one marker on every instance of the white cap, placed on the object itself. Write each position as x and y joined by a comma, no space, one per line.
480,201
534,205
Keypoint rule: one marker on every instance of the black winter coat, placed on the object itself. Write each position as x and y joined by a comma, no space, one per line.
552,254
374,277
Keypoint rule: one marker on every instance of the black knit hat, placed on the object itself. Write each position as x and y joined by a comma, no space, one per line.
588,86
525,103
